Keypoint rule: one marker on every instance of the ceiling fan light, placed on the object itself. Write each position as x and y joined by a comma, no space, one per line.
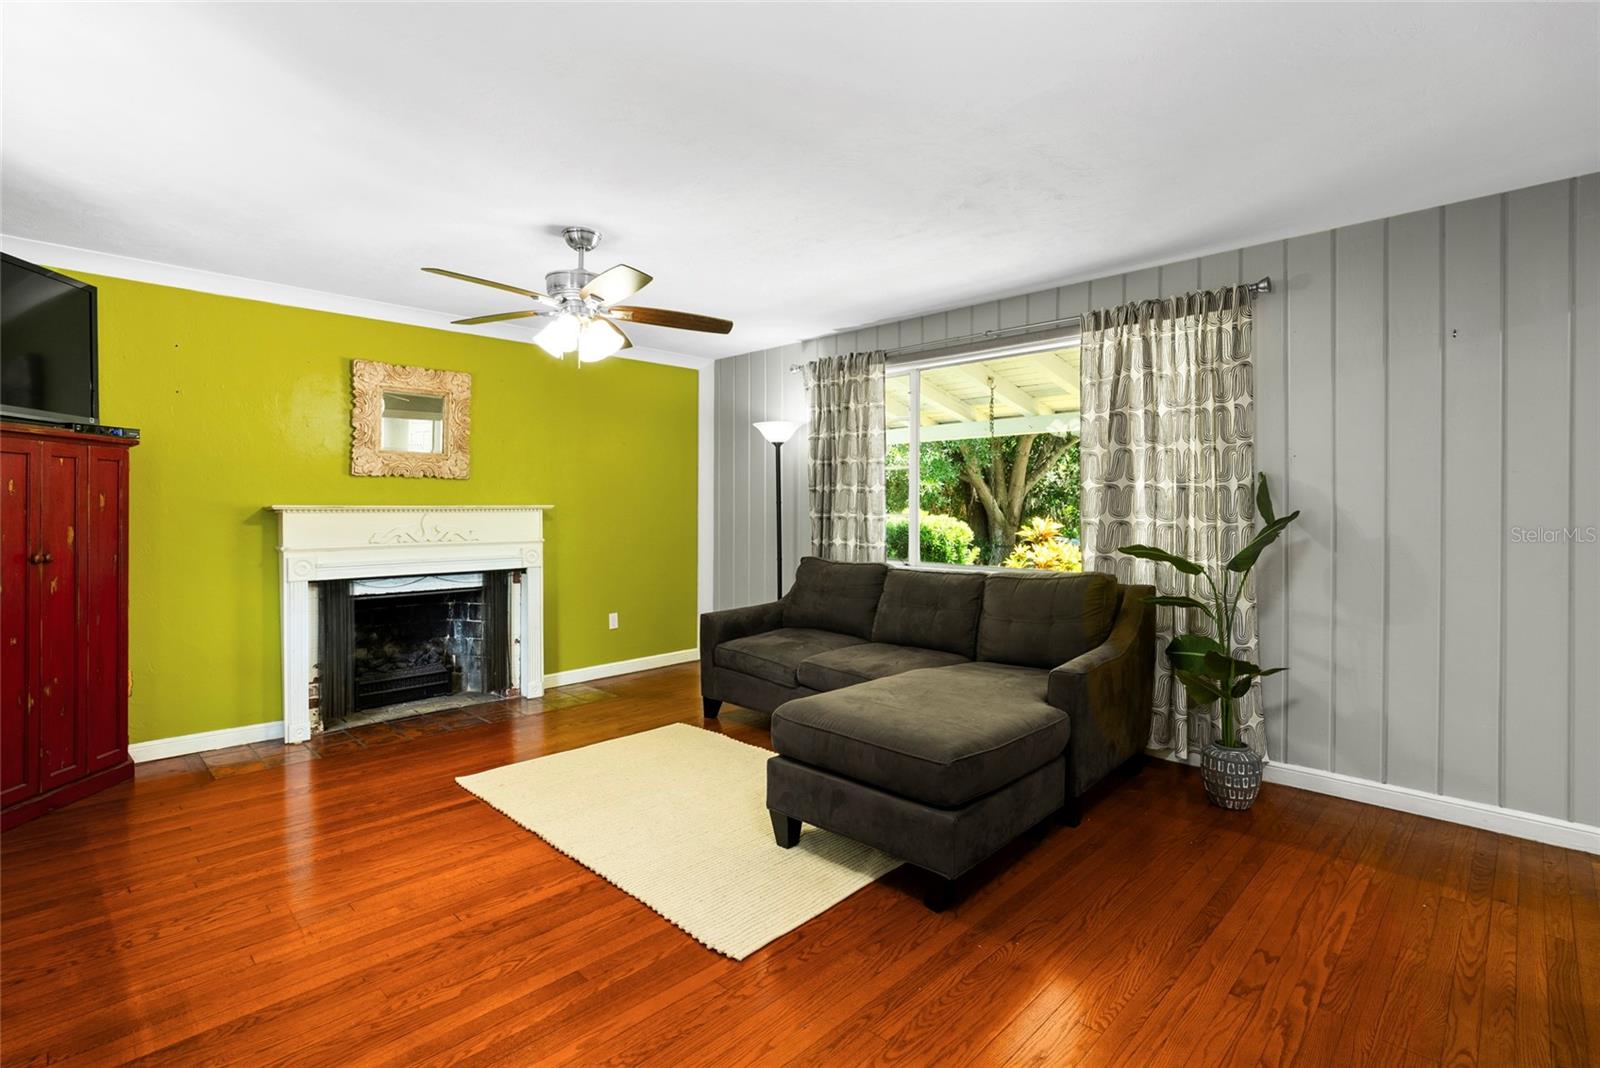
598,340
559,336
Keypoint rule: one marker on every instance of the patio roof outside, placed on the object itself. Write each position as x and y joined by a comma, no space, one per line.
1033,393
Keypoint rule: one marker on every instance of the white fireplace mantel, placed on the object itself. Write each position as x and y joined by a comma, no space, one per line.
318,542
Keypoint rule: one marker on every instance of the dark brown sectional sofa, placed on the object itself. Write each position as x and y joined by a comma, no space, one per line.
936,715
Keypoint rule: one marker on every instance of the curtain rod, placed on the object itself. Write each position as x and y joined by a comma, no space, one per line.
1257,288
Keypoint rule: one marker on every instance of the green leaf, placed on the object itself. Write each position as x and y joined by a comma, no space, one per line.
1219,665
1178,602
1245,558
1271,671
1150,552
1187,652
1242,687
1264,501
1196,645
1202,691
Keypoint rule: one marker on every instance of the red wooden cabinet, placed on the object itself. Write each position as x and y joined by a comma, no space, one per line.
63,618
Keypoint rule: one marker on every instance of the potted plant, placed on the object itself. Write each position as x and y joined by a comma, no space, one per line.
1205,665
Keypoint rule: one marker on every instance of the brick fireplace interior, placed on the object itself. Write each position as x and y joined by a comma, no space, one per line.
391,646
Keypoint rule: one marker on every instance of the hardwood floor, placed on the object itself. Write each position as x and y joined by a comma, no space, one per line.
349,904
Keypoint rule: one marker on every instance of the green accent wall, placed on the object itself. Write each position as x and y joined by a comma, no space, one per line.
243,405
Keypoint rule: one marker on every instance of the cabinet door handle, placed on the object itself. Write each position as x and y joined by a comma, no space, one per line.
36,558
48,559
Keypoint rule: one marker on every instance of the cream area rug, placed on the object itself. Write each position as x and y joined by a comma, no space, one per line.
677,817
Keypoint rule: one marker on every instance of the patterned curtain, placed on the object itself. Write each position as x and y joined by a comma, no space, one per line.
847,451
1168,459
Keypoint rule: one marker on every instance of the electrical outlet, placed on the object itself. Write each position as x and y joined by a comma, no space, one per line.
612,619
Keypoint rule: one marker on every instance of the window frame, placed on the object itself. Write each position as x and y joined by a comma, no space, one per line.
991,348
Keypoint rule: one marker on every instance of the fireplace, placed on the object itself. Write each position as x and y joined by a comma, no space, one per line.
387,646
338,547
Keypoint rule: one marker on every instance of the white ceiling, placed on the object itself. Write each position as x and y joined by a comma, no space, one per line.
796,168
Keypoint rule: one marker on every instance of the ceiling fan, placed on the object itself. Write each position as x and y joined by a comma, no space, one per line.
581,309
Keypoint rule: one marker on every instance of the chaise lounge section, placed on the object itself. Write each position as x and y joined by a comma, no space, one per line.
937,715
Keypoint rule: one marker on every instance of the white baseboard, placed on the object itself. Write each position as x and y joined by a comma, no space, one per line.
620,667
204,741
1527,825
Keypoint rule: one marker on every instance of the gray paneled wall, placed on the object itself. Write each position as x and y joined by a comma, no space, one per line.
749,388
1428,392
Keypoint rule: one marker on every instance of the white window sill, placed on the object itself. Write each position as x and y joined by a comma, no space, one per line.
964,569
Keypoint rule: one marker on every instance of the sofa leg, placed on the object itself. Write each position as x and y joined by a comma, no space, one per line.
710,706
1071,813
940,893
786,829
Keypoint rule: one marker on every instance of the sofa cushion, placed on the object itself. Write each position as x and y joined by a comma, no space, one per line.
838,597
1044,620
867,661
776,654
943,736
931,609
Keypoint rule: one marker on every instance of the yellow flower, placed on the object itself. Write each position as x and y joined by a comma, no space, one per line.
1039,529
1041,548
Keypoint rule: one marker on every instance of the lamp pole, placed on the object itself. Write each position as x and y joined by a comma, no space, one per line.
777,481
778,431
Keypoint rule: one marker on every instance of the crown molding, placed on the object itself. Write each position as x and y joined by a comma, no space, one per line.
70,258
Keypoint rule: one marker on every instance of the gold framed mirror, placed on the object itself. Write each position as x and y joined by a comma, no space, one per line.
411,422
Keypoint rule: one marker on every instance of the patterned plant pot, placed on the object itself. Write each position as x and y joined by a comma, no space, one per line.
1232,775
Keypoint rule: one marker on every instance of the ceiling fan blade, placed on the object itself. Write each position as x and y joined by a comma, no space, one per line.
676,319
498,317
486,282
618,283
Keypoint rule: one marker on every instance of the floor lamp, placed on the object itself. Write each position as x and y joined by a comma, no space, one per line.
778,431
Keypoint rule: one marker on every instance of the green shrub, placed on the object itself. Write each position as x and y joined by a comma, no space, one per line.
945,539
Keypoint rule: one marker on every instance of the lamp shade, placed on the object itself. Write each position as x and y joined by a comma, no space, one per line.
559,336
777,431
598,340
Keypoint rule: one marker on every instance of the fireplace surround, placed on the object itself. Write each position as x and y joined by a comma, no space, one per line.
325,543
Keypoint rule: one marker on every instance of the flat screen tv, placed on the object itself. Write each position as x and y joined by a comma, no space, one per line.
49,353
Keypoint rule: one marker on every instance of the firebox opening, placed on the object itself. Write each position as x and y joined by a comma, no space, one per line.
392,647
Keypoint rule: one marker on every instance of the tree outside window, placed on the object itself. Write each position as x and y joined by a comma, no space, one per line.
996,462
